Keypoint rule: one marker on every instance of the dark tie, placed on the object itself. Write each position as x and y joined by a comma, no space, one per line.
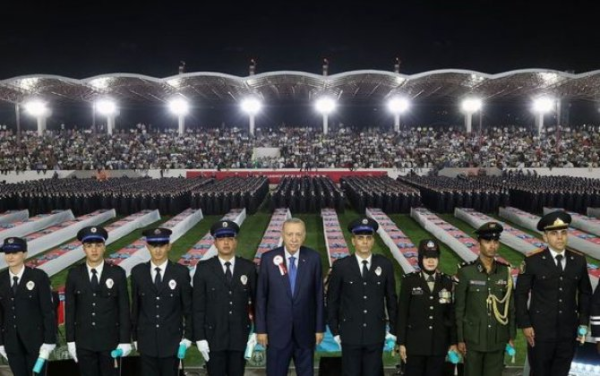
228,275
94,279
431,279
292,273
157,279
365,270
559,262
15,285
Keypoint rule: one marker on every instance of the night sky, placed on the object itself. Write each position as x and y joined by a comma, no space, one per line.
84,39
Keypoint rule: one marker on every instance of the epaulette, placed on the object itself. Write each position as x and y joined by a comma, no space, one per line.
535,252
503,263
466,263
575,252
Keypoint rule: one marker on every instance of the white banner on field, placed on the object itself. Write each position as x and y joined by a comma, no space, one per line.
204,248
582,222
401,247
593,212
271,238
49,237
68,254
34,224
578,240
13,216
335,243
137,252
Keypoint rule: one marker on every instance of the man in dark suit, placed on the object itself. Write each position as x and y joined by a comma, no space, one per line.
96,308
290,317
27,318
426,321
223,294
559,285
361,299
161,307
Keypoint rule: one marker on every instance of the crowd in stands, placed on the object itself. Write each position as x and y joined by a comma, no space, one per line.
307,194
300,147
382,192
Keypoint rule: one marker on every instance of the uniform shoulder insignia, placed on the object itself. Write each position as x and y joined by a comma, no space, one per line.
535,252
576,252
465,263
504,263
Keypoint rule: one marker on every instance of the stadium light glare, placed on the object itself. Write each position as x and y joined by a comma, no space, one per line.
325,105
179,106
36,108
106,107
251,106
398,105
471,105
543,105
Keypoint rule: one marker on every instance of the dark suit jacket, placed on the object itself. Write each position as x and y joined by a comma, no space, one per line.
357,308
426,321
30,314
221,311
284,317
161,318
559,301
97,320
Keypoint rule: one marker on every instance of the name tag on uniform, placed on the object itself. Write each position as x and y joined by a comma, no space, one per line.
417,291
477,283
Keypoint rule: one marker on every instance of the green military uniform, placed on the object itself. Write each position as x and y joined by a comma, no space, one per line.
485,316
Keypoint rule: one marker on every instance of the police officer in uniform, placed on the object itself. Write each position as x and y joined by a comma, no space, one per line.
161,307
223,295
485,318
595,317
362,289
27,316
558,285
426,323
96,308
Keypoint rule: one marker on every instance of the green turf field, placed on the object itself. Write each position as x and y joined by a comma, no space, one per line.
255,225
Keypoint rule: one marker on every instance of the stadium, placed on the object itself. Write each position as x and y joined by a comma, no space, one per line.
416,181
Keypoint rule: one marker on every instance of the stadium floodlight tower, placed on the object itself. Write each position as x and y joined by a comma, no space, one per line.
325,106
469,107
180,108
541,106
251,106
398,106
108,108
40,111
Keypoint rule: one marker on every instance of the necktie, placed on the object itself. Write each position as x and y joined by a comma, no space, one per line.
559,262
94,279
228,275
15,285
365,270
157,279
431,279
292,273
431,282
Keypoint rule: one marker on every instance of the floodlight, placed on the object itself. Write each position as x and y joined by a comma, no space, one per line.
36,108
179,106
106,107
398,105
471,105
543,105
325,105
251,106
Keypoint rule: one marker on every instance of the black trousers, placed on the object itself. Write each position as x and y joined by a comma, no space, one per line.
22,362
96,363
153,366
422,365
278,360
226,363
551,358
362,360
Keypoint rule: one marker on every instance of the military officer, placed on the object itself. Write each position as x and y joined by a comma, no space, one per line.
426,324
96,308
484,306
361,288
161,307
595,317
558,285
27,316
223,295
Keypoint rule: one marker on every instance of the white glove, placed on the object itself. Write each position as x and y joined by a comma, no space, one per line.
125,348
252,340
3,353
389,335
135,345
338,340
186,342
72,350
46,349
203,348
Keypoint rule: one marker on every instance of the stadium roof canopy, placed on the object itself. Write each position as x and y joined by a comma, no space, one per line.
446,84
